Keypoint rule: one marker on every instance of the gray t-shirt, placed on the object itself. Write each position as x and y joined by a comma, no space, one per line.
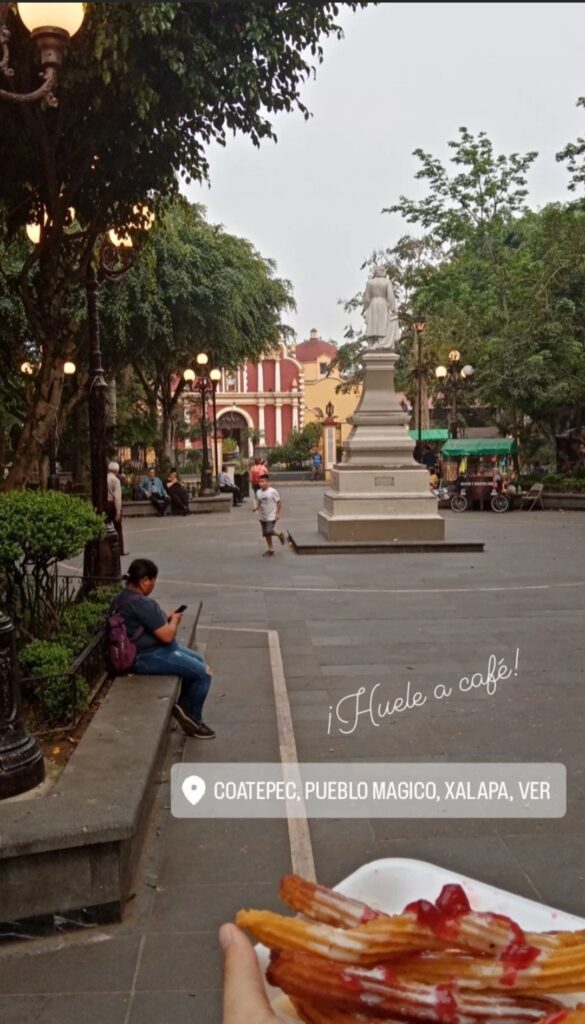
267,504
141,611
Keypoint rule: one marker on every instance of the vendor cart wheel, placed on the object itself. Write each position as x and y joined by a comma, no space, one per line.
500,503
459,503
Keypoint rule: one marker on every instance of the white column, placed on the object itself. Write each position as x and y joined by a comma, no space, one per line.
261,421
260,377
277,376
278,421
245,378
295,414
329,447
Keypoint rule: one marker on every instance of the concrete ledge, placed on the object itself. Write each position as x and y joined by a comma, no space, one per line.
563,500
315,544
214,503
76,848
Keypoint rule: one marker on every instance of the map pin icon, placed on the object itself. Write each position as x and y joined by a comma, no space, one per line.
193,789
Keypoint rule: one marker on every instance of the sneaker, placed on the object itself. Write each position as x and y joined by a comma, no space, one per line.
183,719
267,554
281,537
197,729
202,732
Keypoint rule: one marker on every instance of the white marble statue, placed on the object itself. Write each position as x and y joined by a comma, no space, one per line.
380,312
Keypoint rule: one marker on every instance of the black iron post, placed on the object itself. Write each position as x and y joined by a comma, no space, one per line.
102,558
206,488
215,448
454,368
21,759
53,481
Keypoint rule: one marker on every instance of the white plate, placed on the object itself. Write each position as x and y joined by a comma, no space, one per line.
392,883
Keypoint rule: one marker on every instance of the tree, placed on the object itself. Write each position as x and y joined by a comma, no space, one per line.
197,288
145,87
573,155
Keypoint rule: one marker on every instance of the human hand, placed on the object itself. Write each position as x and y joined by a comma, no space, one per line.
176,617
244,997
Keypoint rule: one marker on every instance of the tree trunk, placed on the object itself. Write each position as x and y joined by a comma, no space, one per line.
166,445
41,417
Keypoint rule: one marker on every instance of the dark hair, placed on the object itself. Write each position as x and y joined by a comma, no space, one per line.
265,477
139,569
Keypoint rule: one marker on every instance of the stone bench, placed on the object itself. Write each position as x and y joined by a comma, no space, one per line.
76,848
213,503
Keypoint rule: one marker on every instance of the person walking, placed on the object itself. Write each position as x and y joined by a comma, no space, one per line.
114,503
257,471
157,651
270,506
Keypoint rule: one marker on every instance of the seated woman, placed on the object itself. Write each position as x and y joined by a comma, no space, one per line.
178,495
158,652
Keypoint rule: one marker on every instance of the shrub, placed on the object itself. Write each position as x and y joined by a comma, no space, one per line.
37,530
49,661
53,658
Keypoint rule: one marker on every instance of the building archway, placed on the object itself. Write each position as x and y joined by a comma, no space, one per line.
234,423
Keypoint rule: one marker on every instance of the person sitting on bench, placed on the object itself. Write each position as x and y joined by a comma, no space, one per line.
152,486
226,486
178,495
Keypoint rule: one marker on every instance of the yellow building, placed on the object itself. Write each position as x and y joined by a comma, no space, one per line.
316,354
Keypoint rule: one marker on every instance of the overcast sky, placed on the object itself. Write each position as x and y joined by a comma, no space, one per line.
406,75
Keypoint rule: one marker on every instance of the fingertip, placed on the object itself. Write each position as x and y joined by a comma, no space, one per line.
226,935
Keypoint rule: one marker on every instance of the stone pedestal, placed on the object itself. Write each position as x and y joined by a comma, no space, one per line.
378,492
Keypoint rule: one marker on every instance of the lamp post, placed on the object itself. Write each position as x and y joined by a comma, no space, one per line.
418,328
215,377
456,377
202,382
51,26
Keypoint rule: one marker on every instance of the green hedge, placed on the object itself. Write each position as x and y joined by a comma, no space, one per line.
50,660
556,482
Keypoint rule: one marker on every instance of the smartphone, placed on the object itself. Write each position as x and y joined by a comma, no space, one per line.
182,608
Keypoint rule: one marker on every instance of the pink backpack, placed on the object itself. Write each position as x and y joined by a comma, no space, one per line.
120,649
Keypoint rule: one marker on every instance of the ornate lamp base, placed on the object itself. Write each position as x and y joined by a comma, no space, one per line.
21,759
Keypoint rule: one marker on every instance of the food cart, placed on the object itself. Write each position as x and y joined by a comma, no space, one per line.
479,472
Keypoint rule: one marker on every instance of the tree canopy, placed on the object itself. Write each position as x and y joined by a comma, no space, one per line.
143,90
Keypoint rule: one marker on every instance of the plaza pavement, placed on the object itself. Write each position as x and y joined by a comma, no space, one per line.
341,621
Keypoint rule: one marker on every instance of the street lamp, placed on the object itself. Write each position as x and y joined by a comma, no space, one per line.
456,376
418,328
201,381
51,26
215,377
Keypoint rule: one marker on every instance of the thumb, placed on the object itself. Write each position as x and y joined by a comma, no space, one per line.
244,997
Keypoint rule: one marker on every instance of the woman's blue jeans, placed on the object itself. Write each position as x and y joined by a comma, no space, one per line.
175,660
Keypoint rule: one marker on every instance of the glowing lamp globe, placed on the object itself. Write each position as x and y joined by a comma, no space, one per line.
67,18
189,376
202,359
441,372
27,369
146,215
69,369
119,240
33,233
215,375
467,371
454,356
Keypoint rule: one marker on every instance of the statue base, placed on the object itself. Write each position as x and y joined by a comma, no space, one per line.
379,492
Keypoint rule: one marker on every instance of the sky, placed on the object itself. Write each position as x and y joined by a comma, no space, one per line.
406,75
